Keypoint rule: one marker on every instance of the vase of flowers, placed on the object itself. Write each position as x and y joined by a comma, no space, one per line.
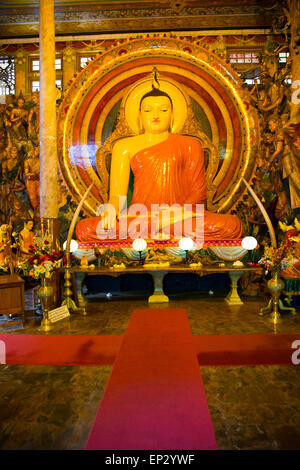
275,260
41,262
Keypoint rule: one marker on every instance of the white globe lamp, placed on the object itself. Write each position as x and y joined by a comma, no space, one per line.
139,244
249,243
73,245
186,244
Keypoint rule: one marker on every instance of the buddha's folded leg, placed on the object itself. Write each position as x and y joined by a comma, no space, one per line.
210,227
90,230
222,226
213,227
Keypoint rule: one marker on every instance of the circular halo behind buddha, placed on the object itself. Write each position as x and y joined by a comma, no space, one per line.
219,114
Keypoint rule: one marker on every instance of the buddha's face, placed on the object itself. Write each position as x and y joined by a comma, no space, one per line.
156,114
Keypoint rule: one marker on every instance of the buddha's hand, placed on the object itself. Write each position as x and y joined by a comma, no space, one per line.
108,215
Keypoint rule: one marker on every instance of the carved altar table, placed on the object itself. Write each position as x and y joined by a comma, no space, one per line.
158,273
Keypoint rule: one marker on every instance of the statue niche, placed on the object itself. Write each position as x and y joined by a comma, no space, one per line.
160,143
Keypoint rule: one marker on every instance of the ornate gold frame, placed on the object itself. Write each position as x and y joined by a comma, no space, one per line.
124,65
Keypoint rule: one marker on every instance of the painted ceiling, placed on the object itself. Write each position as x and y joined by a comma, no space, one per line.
20,18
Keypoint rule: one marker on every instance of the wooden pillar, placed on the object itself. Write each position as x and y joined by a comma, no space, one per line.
294,19
20,72
69,65
48,145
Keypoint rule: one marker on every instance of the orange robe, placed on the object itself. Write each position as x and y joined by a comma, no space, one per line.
171,172
293,272
28,242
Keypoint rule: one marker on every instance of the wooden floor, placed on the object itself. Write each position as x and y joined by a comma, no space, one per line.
53,407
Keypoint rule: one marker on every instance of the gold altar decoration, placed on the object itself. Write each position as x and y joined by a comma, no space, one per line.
40,262
275,286
277,260
219,113
7,256
45,293
68,301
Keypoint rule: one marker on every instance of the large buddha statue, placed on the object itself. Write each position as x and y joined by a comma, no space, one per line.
168,170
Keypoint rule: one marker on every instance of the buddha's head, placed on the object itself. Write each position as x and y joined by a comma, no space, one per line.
156,112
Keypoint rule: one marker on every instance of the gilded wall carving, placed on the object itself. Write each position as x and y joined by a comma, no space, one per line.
141,16
269,99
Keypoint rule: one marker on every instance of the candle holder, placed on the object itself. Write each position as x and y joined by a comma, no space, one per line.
45,293
275,286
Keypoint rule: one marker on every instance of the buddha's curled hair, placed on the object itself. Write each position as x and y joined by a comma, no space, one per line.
156,92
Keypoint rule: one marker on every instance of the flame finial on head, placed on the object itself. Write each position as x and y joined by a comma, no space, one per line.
155,82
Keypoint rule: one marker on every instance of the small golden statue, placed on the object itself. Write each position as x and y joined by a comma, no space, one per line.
26,238
32,178
7,257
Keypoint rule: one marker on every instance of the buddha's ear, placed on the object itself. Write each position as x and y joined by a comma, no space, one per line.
172,122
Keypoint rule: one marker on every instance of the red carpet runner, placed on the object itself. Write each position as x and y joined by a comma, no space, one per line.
155,397
245,350
212,350
61,350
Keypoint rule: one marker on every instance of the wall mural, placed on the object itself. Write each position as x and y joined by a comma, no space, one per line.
277,168
20,166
